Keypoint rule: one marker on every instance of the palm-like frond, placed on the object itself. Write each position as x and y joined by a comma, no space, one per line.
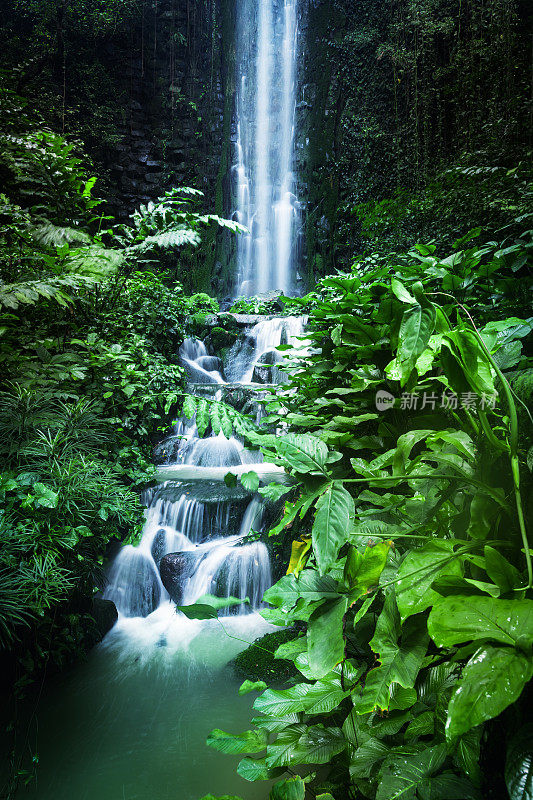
177,237
49,235
12,295
94,261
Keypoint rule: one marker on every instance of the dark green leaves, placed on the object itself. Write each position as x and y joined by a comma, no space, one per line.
400,652
325,637
418,323
303,453
519,765
290,789
420,776
419,569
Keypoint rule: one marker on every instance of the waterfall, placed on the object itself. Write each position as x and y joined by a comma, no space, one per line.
263,179
195,539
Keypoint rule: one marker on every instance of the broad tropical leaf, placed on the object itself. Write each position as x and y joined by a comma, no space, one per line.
492,680
334,514
459,619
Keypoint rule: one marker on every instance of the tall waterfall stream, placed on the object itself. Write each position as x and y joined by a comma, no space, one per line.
131,722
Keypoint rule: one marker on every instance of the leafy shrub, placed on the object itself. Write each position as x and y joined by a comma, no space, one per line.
413,576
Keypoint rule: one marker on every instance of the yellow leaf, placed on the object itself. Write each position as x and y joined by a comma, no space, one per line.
300,548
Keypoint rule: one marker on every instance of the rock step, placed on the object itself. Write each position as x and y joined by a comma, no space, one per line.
187,472
207,492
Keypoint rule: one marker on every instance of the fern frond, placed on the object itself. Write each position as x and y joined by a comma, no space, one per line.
217,416
50,235
231,224
12,295
94,261
168,239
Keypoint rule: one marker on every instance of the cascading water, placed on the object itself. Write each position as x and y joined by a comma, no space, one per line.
263,179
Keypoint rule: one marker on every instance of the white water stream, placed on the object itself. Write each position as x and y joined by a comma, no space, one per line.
131,723
264,185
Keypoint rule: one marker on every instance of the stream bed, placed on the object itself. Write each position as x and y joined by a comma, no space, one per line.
131,722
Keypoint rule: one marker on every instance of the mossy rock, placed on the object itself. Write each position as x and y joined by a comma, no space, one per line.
257,662
219,339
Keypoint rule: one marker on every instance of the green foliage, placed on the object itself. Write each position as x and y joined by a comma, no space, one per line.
415,600
88,345
214,416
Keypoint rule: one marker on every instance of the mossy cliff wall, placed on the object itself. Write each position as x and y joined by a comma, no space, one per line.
390,94
397,92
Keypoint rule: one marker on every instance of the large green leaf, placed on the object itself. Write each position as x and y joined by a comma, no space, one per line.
303,452
308,586
417,325
404,445
44,496
493,679
250,481
325,642
334,513
289,789
277,702
419,776
362,570
419,569
324,696
459,619
252,686
400,651
255,769
519,764
499,570
208,606
472,361
286,748
246,742
367,757
319,744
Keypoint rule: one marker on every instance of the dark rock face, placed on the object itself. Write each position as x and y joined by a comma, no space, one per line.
158,546
210,493
173,569
266,371
105,615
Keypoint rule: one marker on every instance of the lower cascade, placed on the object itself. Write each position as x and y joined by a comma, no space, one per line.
196,539
185,551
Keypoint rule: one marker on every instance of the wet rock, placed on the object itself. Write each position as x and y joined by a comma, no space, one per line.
173,569
266,370
159,547
208,492
105,614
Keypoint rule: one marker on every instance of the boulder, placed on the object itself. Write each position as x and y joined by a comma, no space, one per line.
266,370
105,614
174,568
